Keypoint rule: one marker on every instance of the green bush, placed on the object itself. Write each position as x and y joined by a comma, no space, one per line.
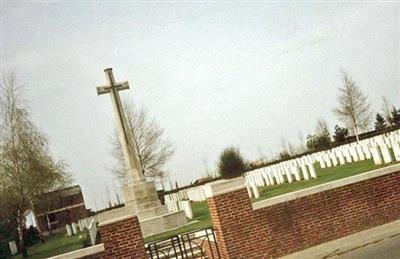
4,250
231,163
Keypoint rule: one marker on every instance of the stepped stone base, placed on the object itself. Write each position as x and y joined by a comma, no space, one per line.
142,200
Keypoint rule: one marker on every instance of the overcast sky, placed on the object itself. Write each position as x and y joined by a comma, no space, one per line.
212,74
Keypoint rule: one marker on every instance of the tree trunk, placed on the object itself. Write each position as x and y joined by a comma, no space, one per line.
356,133
20,228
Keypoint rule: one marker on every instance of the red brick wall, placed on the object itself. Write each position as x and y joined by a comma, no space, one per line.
210,249
291,226
122,239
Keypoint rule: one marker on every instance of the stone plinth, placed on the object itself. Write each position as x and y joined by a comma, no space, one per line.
141,199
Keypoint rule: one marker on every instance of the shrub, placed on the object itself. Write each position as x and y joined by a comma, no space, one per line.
231,163
340,133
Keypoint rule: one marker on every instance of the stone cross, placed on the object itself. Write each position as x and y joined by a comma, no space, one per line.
125,135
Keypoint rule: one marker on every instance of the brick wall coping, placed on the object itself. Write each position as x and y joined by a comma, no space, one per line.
224,186
81,252
326,186
117,219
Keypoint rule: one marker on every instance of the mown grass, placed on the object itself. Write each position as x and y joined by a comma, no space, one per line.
56,244
323,176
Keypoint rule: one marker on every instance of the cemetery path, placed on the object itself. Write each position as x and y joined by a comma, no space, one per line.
388,248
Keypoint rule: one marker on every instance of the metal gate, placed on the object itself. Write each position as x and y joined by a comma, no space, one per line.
196,244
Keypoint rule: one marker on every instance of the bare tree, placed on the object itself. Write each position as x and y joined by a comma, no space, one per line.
148,139
322,129
353,108
386,111
27,170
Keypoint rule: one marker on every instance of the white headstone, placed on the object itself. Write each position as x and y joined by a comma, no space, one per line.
327,160
288,175
69,230
255,191
13,247
295,171
81,226
387,158
367,151
346,154
92,231
266,178
353,153
277,178
340,156
396,150
187,207
305,172
249,190
312,171
74,228
376,155
360,152
333,157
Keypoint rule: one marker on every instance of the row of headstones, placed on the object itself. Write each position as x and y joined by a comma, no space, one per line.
289,171
82,225
175,206
379,148
193,194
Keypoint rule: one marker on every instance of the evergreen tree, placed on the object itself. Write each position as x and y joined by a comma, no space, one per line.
312,142
231,163
395,116
340,133
379,122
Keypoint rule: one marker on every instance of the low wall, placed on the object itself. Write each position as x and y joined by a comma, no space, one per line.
120,238
295,221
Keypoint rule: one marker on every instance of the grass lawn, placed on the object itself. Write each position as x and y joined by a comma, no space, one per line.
200,214
56,244
323,176
59,243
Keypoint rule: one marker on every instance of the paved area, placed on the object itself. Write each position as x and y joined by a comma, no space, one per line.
375,243
388,248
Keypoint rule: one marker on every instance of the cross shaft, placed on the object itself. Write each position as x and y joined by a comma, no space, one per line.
125,135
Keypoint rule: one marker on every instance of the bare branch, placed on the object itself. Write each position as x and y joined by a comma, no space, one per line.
152,148
353,108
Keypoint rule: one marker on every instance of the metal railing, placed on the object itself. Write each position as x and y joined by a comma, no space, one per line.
195,244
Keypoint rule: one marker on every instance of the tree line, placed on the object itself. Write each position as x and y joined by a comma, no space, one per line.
353,111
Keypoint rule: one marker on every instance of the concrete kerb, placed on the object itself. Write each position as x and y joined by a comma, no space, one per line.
351,242
81,252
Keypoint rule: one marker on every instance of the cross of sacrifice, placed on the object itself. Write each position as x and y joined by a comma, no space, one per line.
125,135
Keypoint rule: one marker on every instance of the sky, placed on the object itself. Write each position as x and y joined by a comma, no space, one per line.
212,74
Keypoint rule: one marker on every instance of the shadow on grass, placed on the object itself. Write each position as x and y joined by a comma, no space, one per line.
56,244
